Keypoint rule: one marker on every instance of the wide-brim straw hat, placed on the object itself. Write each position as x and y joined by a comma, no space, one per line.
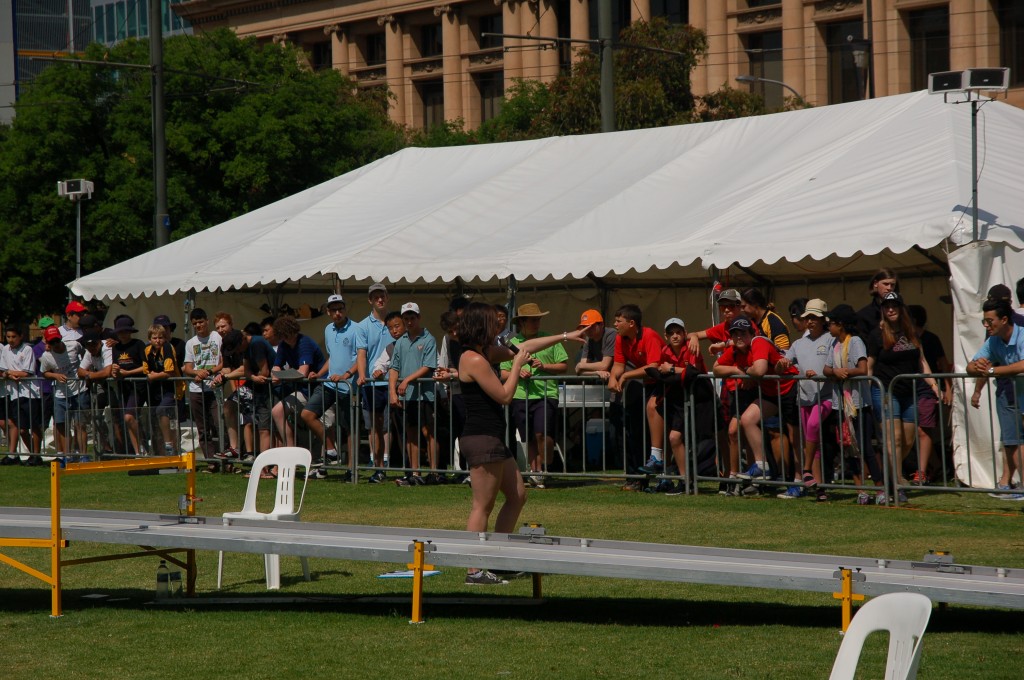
530,309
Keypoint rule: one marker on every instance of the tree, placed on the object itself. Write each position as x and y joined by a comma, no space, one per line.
246,125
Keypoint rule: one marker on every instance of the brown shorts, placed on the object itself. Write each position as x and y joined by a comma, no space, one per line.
480,449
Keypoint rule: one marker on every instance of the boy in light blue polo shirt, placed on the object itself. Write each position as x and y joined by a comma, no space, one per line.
414,358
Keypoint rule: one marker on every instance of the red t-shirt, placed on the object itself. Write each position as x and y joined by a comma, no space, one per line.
718,333
761,348
683,360
641,351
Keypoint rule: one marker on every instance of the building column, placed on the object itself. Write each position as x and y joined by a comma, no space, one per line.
530,25
699,19
549,27
640,10
395,69
879,50
339,48
451,42
962,35
579,25
513,59
793,56
718,44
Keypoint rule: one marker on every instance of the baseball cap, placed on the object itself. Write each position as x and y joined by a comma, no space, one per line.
165,321
335,299
741,323
74,307
590,317
91,335
89,321
411,307
374,287
815,307
892,297
675,321
729,297
51,333
46,322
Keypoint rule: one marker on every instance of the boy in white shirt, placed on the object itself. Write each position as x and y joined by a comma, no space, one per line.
60,363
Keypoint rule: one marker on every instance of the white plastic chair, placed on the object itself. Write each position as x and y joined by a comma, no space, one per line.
905,616
287,459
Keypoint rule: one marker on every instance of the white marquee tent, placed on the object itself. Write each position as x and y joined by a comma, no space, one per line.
817,195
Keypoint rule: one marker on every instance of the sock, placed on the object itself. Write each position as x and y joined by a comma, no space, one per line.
657,454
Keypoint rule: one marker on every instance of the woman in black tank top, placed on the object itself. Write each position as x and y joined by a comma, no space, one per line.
492,467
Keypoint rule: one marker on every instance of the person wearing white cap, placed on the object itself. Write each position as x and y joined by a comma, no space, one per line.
412,401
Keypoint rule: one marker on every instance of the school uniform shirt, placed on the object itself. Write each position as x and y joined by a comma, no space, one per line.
760,348
640,351
412,354
812,355
66,363
775,329
21,359
341,345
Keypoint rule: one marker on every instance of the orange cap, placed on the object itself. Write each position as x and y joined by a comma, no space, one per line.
590,317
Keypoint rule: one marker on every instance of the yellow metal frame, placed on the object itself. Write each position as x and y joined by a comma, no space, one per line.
56,542
847,596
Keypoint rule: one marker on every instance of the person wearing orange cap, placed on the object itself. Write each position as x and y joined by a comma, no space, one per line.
597,355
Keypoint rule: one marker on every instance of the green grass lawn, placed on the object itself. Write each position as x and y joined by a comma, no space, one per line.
585,628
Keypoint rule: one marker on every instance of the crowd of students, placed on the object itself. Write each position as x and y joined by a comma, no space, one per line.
788,395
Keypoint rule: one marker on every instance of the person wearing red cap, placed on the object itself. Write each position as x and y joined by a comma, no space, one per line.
60,363
71,330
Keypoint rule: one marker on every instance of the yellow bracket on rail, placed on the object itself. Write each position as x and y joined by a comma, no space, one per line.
419,550
56,542
846,594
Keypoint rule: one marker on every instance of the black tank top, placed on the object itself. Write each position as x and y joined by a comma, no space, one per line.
483,414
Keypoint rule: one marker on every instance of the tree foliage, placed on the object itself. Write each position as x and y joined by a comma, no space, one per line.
246,125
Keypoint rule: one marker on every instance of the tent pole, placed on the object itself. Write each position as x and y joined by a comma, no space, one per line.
511,298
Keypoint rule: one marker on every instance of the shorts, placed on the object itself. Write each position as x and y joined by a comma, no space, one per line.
261,409
412,416
542,416
902,408
166,405
1011,430
374,401
786,404
27,412
481,449
927,409
243,397
324,398
70,406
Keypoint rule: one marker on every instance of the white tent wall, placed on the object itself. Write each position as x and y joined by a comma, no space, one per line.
975,268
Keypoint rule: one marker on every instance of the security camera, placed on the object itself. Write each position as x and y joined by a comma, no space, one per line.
75,189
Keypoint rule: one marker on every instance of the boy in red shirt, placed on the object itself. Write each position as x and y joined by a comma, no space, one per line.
636,348
749,358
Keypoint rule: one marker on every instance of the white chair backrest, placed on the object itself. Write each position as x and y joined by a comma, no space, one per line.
287,459
905,616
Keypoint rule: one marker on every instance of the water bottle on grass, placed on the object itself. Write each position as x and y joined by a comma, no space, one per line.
163,581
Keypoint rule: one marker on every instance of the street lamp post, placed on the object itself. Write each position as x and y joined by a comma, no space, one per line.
758,79
76,190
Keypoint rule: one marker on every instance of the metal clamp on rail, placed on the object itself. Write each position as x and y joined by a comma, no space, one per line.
942,562
534,533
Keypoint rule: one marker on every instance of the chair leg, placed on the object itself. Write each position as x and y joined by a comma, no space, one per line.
220,567
273,566
305,568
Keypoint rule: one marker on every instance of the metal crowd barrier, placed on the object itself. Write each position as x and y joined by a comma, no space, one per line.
595,433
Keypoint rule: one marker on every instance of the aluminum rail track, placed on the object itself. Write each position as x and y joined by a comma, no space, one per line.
531,551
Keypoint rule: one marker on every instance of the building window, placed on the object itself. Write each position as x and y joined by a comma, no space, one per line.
847,61
676,11
492,23
492,93
120,18
929,44
764,53
374,52
143,18
620,18
111,31
99,35
432,96
320,56
430,41
763,3
1010,14
133,18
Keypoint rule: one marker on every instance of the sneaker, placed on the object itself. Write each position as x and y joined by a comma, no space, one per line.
484,578
83,459
653,466
318,473
466,480
1014,497
809,480
8,460
790,493
635,485
347,477
902,496
751,490
755,471
863,498
881,498
417,480
664,486
536,481
919,478
332,454
1001,487
168,450
378,477
431,479
678,490
405,481
226,455
821,496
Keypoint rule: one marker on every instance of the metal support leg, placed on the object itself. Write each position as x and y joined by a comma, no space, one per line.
846,594
418,566
538,591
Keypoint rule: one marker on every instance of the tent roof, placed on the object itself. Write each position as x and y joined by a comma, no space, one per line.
883,174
